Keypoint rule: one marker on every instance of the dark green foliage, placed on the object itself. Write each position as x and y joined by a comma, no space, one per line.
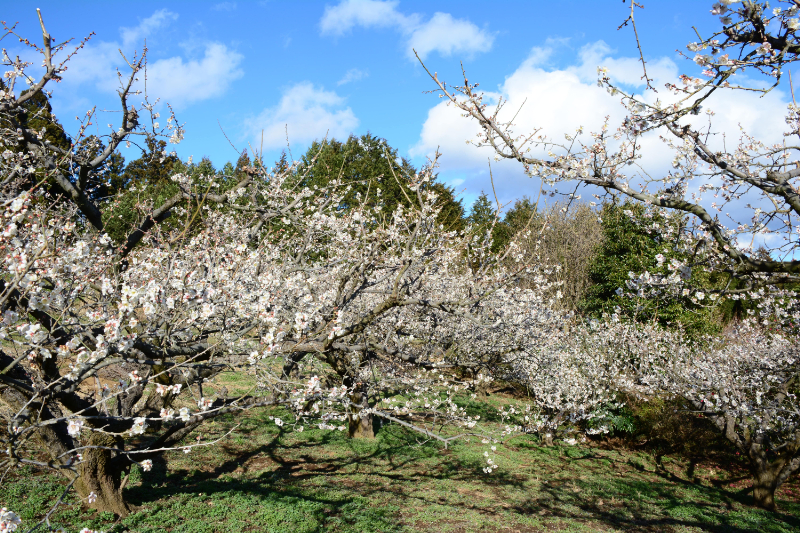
519,216
113,176
618,421
366,164
628,247
70,155
153,169
522,215
452,213
243,161
482,213
483,217
282,164
106,181
143,186
375,175
37,115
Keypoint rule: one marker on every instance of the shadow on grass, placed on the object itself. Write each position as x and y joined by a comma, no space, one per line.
658,502
323,481
294,483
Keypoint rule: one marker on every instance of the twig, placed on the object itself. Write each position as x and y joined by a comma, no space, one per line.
630,18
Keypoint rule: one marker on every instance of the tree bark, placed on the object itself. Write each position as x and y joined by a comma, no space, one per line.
359,424
764,485
766,475
101,473
53,438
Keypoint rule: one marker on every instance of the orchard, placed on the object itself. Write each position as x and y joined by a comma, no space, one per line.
355,292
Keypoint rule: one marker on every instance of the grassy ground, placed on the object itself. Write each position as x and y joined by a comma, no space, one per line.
269,479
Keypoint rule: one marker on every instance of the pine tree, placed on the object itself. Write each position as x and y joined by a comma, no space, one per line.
147,177
376,176
483,217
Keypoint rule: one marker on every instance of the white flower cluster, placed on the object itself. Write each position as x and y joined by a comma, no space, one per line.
9,521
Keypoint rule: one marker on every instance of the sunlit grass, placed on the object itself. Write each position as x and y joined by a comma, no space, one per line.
266,478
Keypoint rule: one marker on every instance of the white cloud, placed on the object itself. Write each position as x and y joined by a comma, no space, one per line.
559,100
448,36
176,80
134,37
442,33
340,19
183,82
205,71
624,70
308,112
353,74
225,6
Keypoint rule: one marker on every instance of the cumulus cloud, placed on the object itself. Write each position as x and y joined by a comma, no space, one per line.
177,80
557,101
134,37
340,19
184,82
206,73
353,74
308,112
447,36
442,33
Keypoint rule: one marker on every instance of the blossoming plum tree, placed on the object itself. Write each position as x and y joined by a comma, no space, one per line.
746,386
104,343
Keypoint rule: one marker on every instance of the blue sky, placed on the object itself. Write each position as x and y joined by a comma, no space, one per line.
342,67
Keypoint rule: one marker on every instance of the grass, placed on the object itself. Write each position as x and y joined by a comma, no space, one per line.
269,479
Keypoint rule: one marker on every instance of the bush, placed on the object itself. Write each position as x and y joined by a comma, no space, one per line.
630,244
668,426
564,237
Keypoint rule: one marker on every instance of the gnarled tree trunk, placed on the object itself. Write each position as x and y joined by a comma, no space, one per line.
102,473
769,475
764,485
360,425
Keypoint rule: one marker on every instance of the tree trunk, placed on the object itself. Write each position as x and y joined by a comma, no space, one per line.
764,485
766,475
360,425
102,474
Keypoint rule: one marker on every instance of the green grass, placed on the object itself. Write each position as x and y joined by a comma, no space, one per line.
267,479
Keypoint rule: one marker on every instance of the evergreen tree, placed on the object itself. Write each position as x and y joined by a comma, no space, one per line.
452,215
483,218
143,184
282,164
36,115
629,247
520,215
243,161
154,168
375,175
106,181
